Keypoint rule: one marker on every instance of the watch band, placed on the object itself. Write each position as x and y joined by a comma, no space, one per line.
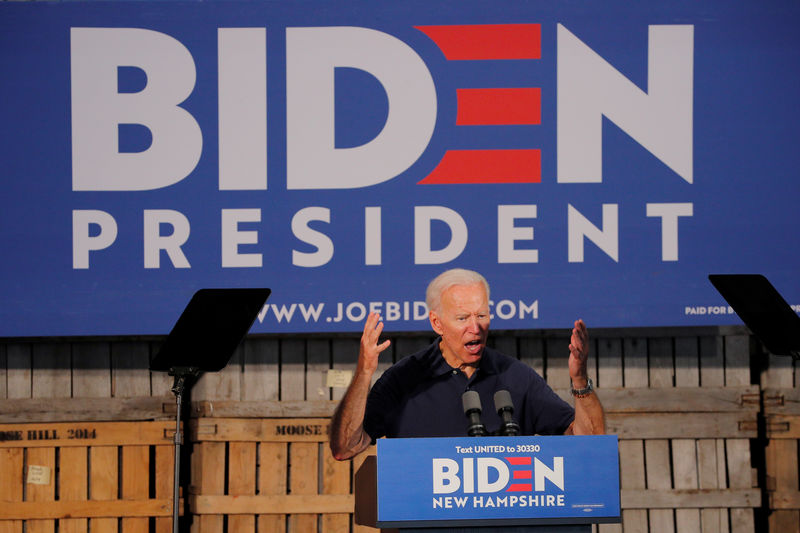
580,393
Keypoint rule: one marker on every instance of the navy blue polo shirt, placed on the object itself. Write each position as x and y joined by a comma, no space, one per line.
420,396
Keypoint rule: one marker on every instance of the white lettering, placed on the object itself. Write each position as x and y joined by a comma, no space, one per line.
83,242
98,110
542,472
485,464
590,88
154,242
445,476
242,81
372,236
320,241
423,216
669,214
232,238
579,227
508,234
312,54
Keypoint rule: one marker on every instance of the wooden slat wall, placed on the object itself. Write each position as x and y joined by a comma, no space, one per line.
708,453
100,477
782,421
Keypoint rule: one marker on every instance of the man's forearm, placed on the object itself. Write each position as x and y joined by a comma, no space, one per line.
348,437
590,419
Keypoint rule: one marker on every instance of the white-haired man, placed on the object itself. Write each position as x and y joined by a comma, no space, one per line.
420,396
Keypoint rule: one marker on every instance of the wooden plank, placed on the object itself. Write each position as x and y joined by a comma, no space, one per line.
688,499
632,478
678,399
681,425
712,362
318,362
779,372
783,426
615,400
273,468
740,476
687,362
344,356
293,370
103,484
164,474
19,370
222,385
781,401
684,461
261,377
241,482
266,430
39,494
130,510
135,475
303,476
635,362
86,433
658,477
12,474
298,506
160,382
531,352
3,377
506,344
208,478
30,410
130,362
660,364
556,366
73,486
91,370
335,480
782,477
783,500
263,409
51,377
737,360
707,478
609,363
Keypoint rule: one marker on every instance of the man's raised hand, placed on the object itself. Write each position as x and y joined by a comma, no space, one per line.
370,349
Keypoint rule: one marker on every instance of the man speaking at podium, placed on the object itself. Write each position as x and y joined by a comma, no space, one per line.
421,395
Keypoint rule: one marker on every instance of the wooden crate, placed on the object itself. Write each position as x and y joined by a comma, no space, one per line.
86,476
782,422
275,475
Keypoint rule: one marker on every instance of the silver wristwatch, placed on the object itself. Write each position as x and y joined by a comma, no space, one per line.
580,393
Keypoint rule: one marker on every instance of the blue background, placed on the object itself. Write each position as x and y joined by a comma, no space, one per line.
745,190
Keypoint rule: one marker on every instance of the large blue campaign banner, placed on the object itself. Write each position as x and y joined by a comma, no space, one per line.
593,160
498,480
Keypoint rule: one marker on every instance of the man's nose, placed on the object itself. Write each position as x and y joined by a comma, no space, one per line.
473,325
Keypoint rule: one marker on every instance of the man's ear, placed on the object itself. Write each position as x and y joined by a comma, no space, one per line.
435,322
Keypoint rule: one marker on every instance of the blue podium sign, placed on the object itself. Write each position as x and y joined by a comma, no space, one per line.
498,481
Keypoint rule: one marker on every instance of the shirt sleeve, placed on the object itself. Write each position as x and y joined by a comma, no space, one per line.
382,401
546,412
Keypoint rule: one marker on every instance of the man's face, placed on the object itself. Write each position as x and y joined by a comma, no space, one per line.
463,322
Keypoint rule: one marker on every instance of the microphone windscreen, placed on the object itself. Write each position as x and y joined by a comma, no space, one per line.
471,401
502,400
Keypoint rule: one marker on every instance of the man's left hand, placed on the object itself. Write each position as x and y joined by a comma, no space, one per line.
578,355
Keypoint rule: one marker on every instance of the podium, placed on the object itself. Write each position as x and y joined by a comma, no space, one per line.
509,484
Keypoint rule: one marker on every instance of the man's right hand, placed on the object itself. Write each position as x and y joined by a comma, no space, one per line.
370,349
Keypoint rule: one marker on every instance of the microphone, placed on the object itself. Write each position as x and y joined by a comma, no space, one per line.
505,408
472,408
